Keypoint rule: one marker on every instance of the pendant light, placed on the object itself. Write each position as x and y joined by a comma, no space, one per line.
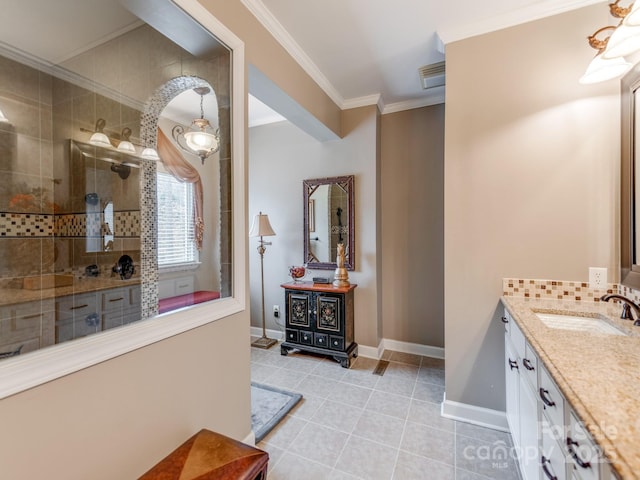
200,139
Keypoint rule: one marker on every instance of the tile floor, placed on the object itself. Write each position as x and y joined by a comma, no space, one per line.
352,424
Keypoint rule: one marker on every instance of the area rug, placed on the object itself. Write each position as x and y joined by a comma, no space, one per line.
269,405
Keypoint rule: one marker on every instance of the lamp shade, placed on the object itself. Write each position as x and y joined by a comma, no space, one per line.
100,139
3,118
601,69
261,226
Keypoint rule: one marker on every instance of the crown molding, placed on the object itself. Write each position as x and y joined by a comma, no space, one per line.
275,28
366,101
546,8
433,99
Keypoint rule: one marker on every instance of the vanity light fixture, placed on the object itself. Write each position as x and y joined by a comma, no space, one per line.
99,138
150,154
601,69
125,145
200,139
609,63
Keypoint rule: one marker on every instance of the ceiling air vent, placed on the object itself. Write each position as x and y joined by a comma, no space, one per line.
432,75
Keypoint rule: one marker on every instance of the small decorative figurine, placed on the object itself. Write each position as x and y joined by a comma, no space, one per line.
341,276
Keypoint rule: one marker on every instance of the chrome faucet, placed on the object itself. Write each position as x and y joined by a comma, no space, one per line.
627,306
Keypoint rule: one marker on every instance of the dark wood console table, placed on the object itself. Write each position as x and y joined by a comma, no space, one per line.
319,319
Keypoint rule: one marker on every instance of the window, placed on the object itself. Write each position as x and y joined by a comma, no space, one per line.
176,245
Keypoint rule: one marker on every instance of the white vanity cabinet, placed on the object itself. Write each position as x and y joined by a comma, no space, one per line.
522,409
91,312
25,327
550,440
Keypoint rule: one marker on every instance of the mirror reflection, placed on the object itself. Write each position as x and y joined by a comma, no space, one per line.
104,218
328,221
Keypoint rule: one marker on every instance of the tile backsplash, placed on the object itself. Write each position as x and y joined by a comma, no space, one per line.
554,289
563,290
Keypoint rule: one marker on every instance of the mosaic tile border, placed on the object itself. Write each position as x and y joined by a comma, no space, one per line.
26,225
554,289
18,225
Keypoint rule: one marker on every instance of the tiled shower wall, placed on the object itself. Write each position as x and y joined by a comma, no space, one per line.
41,220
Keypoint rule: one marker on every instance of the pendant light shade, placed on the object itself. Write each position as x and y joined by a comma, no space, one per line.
200,138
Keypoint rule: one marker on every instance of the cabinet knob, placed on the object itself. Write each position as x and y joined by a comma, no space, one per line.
513,364
504,320
545,399
527,364
335,342
570,444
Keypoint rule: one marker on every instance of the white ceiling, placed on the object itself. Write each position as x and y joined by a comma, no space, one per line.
359,49
361,52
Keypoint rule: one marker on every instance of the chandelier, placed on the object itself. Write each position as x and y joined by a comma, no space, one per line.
200,138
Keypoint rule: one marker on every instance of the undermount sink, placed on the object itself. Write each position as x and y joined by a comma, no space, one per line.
577,323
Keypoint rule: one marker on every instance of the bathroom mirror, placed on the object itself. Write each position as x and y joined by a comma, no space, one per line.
629,182
328,221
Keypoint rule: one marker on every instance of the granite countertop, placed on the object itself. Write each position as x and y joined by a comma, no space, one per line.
598,374
11,296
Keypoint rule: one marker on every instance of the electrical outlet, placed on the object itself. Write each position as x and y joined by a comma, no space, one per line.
598,277
276,311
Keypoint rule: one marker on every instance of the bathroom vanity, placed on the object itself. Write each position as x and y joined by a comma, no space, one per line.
572,390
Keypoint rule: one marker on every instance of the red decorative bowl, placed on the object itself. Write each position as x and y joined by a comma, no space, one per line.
297,273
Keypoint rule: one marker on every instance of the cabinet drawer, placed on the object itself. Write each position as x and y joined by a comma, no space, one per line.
306,338
552,400
336,343
292,335
582,450
530,366
552,459
113,300
320,340
77,304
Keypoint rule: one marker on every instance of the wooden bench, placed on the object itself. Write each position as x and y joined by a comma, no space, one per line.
211,456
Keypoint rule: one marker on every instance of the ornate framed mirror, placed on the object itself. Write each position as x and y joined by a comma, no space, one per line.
328,220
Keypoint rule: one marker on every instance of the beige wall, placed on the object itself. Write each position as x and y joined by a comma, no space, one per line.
413,222
116,419
531,161
281,156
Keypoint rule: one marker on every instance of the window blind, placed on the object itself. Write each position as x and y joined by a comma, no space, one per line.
176,243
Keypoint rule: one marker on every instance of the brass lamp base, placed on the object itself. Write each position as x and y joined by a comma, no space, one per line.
264,342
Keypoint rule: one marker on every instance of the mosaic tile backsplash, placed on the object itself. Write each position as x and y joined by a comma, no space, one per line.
563,290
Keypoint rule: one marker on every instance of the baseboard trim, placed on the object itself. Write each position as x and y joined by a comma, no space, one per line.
484,417
415,348
372,352
369,352
277,334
